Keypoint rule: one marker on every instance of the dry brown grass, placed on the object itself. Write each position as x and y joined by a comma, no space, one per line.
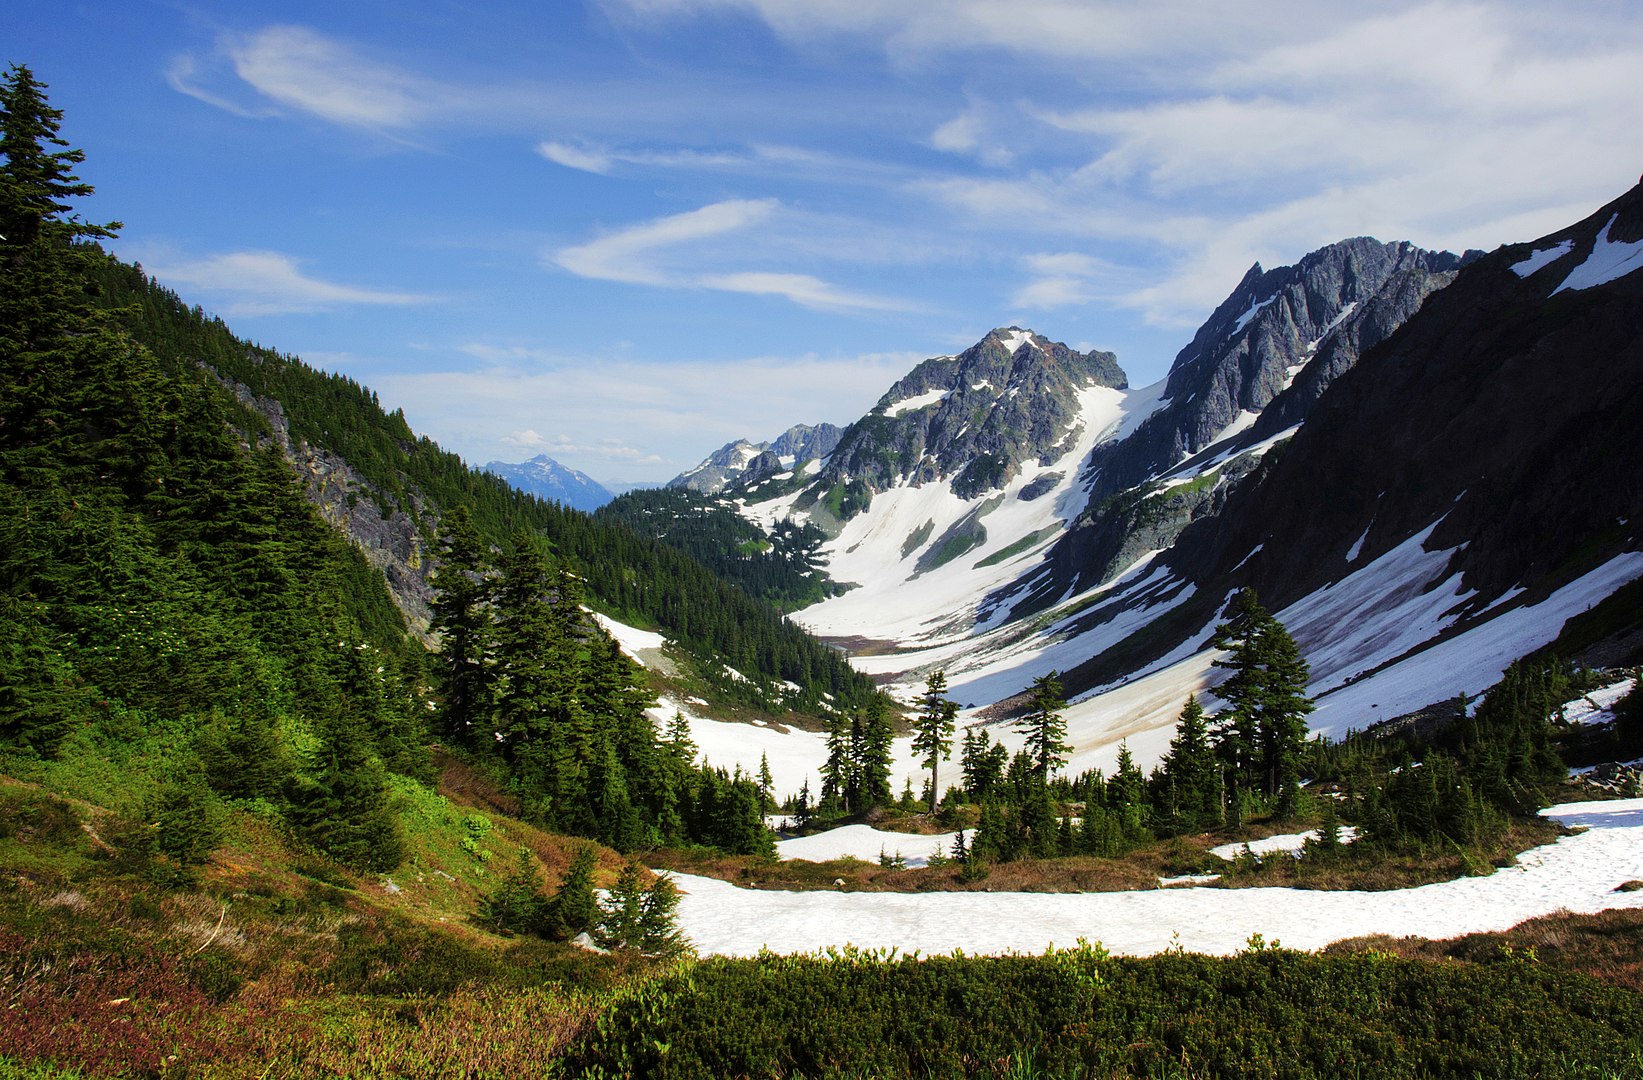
1376,871
1607,945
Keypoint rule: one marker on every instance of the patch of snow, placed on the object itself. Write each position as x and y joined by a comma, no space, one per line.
1468,663
1577,873
865,843
1290,842
894,602
1334,324
1252,553
916,402
1013,339
1597,707
1543,257
1609,261
634,642
1188,879
1254,309
1357,546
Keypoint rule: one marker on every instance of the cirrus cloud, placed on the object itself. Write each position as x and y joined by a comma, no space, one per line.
270,283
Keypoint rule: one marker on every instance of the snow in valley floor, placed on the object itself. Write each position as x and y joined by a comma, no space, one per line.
1578,873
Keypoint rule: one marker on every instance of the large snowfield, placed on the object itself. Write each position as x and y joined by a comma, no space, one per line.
1579,873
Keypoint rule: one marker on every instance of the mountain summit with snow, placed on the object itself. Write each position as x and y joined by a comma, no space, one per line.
743,462
546,478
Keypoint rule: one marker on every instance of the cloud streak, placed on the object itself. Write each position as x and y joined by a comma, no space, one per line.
651,254
271,283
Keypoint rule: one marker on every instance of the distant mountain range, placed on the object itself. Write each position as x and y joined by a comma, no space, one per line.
742,462
547,479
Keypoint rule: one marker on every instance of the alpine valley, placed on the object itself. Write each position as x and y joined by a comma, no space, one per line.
999,733
1423,463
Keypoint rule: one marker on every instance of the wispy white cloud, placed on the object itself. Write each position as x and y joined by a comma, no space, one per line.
269,283
1223,134
802,289
1070,30
650,254
1062,279
303,70
576,157
562,446
970,133
635,254
182,75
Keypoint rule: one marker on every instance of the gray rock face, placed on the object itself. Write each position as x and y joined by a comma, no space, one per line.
742,462
547,479
390,541
1248,351
1500,418
974,418
1271,348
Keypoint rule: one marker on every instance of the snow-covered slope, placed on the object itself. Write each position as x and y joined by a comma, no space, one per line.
1578,873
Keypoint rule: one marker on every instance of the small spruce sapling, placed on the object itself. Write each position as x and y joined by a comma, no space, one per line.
574,909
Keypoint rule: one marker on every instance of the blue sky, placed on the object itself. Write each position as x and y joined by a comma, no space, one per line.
624,232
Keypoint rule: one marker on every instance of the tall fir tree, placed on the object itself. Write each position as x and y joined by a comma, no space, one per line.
1190,774
1045,727
462,619
933,729
1261,737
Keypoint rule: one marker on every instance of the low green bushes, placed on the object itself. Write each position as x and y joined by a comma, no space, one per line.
1264,1013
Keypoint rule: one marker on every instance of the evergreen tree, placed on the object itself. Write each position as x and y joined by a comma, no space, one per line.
838,772
679,743
1044,726
244,757
35,179
462,619
933,729
982,764
516,905
639,919
1126,796
872,739
183,821
1190,773
342,804
1262,736
574,908
767,797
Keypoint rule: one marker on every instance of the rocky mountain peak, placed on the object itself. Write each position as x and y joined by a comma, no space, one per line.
744,462
973,418
546,478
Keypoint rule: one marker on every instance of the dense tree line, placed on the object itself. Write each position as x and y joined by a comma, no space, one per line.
632,576
162,572
780,568
1461,785
530,678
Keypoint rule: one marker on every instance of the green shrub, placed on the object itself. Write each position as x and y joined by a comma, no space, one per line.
1266,1012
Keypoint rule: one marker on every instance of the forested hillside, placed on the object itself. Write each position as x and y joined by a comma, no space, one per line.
779,567
630,576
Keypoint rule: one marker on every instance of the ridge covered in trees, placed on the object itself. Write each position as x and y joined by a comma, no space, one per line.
630,576
781,567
